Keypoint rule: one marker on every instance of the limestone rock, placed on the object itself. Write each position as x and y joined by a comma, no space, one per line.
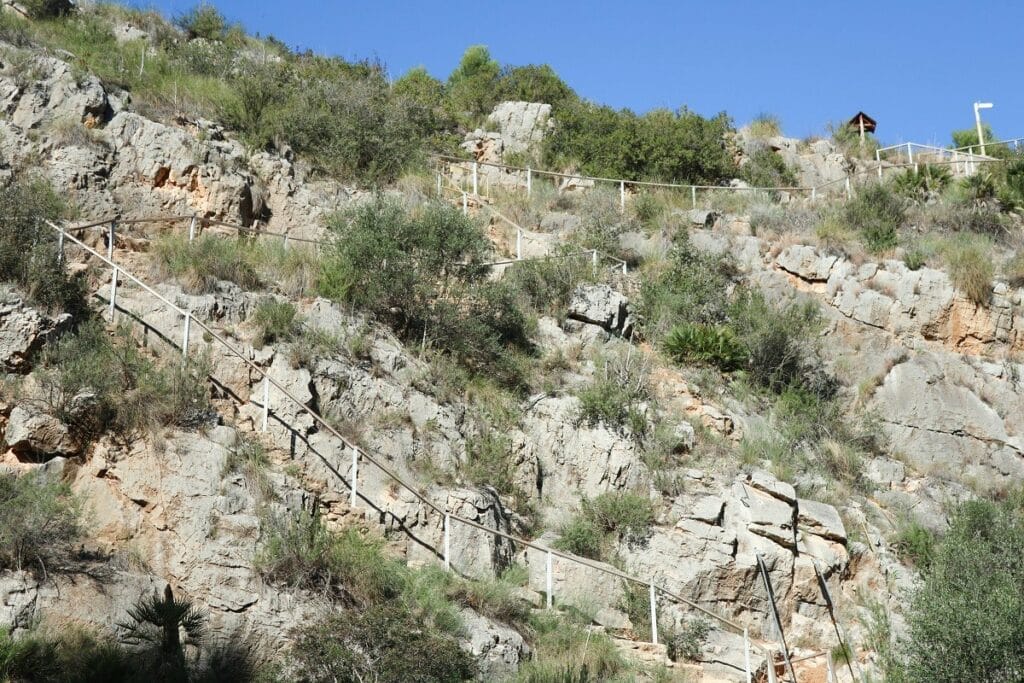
498,649
23,331
603,306
820,519
32,434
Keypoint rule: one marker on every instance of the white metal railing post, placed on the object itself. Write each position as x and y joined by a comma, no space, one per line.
438,184
693,196
529,181
654,615
549,583
519,244
355,479
814,194
771,667
910,154
622,196
593,261
625,268
60,246
465,204
878,161
849,191
266,403
113,293
475,179
447,542
110,239
185,332
830,672
192,229
746,654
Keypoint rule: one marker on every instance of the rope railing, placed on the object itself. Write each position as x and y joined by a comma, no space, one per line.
358,453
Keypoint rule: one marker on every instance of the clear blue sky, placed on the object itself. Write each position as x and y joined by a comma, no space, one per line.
914,65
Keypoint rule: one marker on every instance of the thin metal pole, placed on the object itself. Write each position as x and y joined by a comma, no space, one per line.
746,653
550,581
775,614
447,542
355,478
849,191
840,634
184,334
654,615
60,246
693,196
438,184
475,180
910,153
113,292
622,196
593,261
266,402
519,244
192,229
878,160
465,204
828,668
110,238
771,668
529,181
625,268
814,194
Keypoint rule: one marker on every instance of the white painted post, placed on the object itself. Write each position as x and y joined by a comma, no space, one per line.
60,246
622,196
814,194
184,334
475,179
849,192
878,161
771,668
465,204
355,479
910,153
593,261
438,184
519,244
550,581
693,196
625,267
447,542
110,237
266,402
654,616
746,654
828,668
113,293
529,181
192,229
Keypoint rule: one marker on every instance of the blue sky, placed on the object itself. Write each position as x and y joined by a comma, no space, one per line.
914,65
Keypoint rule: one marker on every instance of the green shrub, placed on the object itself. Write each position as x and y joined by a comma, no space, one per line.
472,86
915,259
765,168
95,382
1014,270
970,269
203,21
28,247
712,344
877,213
40,522
420,272
275,321
566,650
489,463
692,287
534,83
780,343
967,617
385,642
625,515
916,544
617,395
548,284
686,641
249,459
200,264
660,145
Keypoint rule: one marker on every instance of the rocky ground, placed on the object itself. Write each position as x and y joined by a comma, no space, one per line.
941,374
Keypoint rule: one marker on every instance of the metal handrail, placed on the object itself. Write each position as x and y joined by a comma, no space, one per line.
360,452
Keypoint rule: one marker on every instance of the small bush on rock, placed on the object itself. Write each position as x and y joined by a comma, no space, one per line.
625,515
877,213
711,344
203,21
40,521
275,321
970,269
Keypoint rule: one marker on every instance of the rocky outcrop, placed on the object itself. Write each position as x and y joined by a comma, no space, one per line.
515,127
33,435
23,331
602,306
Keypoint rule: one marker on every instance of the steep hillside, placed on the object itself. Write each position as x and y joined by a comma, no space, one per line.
681,418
